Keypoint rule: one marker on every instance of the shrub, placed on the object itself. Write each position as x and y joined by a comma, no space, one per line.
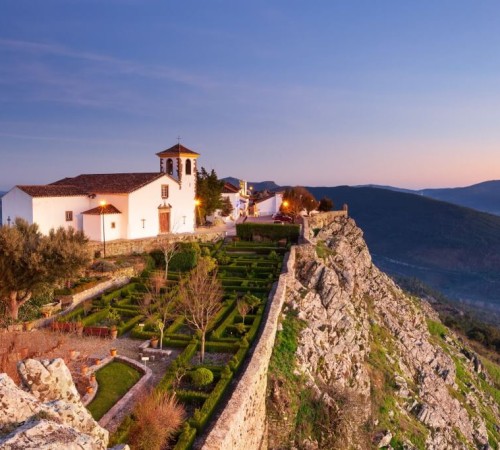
157,417
247,231
185,260
201,377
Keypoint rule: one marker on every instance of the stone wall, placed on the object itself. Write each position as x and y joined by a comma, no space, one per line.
322,219
130,246
243,424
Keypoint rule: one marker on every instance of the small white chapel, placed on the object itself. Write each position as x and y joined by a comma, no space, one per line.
114,206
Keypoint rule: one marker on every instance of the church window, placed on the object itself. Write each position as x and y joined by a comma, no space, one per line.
113,224
69,216
164,191
170,166
188,167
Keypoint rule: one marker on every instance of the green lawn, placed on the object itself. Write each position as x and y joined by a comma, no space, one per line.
114,380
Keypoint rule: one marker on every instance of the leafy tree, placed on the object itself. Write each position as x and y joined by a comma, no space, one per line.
29,261
325,204
208,191
226,207
297,199
200,299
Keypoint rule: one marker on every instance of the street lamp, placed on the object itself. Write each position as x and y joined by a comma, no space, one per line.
197,203
103,204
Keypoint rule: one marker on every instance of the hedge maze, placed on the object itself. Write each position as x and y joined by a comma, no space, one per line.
247,271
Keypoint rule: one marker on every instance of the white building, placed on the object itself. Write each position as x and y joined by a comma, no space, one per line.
267,206
238,198
114,206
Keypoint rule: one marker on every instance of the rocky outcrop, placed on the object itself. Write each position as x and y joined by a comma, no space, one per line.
48,414
363,335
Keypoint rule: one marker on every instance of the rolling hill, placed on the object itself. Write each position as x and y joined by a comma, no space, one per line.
451,248
483,196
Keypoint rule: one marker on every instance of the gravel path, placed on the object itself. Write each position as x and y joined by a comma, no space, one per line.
130,348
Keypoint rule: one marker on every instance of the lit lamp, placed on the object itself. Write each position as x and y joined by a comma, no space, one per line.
103,204
197,203
285,204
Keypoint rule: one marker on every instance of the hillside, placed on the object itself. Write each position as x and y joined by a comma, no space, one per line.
452,248
358,364
256,185
483,196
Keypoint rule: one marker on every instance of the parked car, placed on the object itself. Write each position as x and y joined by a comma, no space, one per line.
280,218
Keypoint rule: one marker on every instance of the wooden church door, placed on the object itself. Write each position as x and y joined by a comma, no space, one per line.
164,221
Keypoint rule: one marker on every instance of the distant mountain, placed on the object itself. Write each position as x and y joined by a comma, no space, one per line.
389,188
453,249
256,185
483,196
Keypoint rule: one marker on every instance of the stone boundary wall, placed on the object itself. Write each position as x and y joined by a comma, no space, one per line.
130,246
114,417
242,425
98,289
321,220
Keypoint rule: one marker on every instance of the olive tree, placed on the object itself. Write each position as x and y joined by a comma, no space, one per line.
31,261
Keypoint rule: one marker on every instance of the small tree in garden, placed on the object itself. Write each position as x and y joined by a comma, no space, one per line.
158,305
169,248
243,308
200,297
157,418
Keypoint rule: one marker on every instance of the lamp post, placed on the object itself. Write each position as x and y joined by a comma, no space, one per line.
197,204
103,204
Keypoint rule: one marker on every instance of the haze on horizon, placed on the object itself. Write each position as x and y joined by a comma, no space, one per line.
324,93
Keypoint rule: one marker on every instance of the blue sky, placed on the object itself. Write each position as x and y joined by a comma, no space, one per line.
314,93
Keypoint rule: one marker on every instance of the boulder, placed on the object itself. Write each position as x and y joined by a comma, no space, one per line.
50,415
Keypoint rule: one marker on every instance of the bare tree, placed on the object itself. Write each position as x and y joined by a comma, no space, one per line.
200,299
243,308
158,305
169,248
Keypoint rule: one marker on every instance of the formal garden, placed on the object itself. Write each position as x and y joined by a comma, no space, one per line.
201,316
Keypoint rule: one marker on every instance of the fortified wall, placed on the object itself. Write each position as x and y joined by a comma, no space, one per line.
243,424
130,246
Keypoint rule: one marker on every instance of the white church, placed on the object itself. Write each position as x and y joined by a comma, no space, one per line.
114,206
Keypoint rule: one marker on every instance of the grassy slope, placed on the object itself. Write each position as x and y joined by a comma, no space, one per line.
452,248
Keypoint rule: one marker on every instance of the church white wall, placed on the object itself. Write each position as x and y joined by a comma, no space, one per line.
50,212
120,202
144,203
16,203
93,226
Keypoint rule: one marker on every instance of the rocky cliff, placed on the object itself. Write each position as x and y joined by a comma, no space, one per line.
367,365
47,414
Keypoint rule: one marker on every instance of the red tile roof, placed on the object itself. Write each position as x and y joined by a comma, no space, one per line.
260,200
230,188
109,183
48,190
106,209
178,150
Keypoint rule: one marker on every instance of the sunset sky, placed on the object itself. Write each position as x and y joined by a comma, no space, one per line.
329,92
